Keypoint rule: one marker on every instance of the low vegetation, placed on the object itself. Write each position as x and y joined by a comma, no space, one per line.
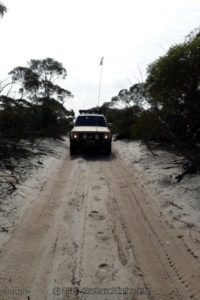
38,107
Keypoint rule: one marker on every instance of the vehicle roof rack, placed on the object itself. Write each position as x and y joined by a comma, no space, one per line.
90,111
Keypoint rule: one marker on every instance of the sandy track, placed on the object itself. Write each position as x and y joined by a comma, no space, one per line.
171,270
90,226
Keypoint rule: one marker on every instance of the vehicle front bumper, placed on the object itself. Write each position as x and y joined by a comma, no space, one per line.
88,140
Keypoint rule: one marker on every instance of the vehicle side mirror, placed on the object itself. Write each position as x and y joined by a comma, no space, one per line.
71,124
110,125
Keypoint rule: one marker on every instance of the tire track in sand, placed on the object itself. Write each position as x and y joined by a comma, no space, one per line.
169,270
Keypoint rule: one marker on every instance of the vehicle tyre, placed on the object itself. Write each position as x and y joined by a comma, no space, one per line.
72,149
107,149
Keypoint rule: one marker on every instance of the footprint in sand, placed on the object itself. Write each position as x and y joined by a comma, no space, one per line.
101,236
103,272
96,215
96,188
97,198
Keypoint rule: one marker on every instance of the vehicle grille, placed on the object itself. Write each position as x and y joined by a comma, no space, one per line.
90,136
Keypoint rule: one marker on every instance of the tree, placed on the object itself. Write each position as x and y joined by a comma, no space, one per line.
173,87
125,109
46,114
131,97
3,9
39,79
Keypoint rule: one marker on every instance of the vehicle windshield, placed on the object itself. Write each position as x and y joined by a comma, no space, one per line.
90,121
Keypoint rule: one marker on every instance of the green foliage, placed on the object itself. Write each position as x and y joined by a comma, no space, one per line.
125,109
22,119
42,114
3,9
134,96
122,119
173,88
39,79
27,78
166,108
149,128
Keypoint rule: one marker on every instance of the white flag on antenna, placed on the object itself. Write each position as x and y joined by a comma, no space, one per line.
101,61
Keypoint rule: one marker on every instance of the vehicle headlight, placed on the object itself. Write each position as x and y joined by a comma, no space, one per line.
74,135
107,136
96,136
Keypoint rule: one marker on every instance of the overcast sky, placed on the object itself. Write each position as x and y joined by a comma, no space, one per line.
129,34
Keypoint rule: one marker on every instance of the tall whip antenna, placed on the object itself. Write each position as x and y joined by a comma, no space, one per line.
101,65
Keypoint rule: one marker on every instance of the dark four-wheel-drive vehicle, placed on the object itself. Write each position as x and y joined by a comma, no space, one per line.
90,131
